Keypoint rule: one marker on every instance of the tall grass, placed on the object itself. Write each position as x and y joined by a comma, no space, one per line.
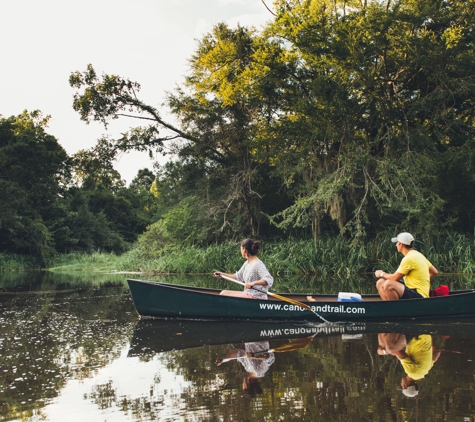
453,252
191,260
13,262
329,257
97,261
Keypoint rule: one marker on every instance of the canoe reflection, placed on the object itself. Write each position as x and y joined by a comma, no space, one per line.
156,336
417,354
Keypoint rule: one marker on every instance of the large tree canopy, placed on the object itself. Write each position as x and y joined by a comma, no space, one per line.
340,116
33,170
386,92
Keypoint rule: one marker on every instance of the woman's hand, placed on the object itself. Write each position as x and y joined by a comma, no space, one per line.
217,274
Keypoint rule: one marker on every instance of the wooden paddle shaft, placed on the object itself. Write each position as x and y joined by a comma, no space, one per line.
243,284
285,299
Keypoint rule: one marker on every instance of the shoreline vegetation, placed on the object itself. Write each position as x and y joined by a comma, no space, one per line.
322,147
452,253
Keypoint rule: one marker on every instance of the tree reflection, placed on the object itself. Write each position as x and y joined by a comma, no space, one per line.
46,339
330,379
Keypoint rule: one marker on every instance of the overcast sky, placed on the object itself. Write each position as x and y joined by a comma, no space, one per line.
147,41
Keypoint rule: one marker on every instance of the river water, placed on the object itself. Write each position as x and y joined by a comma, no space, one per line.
72,348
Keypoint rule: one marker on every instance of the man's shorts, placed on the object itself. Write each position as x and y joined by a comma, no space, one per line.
411,294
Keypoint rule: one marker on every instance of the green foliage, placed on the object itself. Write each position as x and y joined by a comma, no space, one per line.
297,264
224,119
175,229
12,262
383,99
42,210
339,120
33,167
109,97
80,261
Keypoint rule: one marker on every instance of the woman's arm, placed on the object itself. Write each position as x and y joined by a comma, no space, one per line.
256,283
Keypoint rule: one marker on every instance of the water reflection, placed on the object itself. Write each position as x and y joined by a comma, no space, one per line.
256,358
334,373
48,281
417,354
155,336
81,353
47,338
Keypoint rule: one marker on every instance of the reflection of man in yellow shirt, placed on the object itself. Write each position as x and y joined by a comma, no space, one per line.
417,357
417,363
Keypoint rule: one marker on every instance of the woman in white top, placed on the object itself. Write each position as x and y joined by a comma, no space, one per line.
253,273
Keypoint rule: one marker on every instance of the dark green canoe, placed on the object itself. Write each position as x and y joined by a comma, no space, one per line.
161,300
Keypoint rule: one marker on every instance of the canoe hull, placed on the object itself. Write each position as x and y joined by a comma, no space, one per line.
160,300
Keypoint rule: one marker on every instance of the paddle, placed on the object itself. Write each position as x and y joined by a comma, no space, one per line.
285,299
289,347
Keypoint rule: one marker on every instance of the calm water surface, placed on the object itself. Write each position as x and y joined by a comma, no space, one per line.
73,349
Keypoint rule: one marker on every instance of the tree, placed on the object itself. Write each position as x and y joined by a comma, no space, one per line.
217,107
346,117
385,93
219,127
43,212
33,174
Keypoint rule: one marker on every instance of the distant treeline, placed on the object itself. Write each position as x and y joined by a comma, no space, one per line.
344,120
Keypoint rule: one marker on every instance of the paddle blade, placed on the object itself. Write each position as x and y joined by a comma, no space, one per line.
451,351
293,302
295,345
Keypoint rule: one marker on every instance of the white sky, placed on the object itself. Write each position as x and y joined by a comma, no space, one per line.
147,41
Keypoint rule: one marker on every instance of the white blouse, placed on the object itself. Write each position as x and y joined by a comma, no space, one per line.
254,271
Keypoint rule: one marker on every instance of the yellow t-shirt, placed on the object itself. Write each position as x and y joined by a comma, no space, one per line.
415,268
419,360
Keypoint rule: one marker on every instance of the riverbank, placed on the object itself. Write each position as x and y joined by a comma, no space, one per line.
450,253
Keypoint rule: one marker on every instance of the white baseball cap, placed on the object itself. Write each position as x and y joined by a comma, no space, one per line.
404,238
411,391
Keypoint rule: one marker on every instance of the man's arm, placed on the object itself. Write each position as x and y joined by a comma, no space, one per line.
387,276
432,272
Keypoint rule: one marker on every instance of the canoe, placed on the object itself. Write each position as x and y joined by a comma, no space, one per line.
162,300
153,336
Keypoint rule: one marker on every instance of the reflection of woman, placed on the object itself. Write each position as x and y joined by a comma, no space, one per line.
256,360
253,273
417,357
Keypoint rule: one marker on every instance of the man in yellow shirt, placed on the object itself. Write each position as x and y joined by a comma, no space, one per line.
414,267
